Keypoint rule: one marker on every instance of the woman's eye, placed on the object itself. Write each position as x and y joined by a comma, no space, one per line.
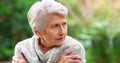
56,25
64,24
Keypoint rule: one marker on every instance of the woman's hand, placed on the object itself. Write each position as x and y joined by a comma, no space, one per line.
20,59
68,58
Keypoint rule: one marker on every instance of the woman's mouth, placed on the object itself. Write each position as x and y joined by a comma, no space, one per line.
62,38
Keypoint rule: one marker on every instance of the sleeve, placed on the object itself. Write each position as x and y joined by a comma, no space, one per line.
79,50
75,46
17,50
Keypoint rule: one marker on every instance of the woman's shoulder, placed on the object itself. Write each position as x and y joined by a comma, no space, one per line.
72,44
24,42
71,41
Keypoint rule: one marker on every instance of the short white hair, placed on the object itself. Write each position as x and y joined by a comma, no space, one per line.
38,11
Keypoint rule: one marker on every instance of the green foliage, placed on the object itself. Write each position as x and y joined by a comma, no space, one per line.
116,47
99,35
13,24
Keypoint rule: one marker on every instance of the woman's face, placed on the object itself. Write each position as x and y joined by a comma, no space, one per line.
55,31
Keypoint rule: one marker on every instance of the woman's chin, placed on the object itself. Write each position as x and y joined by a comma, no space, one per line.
59,44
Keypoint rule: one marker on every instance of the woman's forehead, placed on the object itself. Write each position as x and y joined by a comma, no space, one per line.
55,19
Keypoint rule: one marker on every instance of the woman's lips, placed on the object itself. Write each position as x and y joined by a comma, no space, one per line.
62,38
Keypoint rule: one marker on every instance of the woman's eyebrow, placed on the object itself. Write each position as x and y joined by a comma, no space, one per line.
53,23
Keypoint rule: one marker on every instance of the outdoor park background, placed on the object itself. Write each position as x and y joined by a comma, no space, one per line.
95,23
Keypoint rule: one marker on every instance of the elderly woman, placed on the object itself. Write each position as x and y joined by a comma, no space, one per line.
50,43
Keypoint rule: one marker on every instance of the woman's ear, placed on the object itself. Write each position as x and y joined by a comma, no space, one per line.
36,32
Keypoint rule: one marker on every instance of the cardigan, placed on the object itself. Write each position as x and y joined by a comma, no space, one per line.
33,54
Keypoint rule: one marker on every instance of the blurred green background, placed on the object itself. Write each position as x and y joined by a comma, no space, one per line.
95,23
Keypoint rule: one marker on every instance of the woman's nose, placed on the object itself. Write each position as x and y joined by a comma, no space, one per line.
62,31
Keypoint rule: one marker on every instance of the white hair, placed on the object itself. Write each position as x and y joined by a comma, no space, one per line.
39,10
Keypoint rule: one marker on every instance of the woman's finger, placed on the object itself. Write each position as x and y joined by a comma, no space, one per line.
74,61
15,60
76,57
20,56
68,53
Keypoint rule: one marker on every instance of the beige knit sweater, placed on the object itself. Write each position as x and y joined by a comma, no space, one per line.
33,53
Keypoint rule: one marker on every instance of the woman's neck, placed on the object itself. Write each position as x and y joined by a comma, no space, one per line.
43,48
